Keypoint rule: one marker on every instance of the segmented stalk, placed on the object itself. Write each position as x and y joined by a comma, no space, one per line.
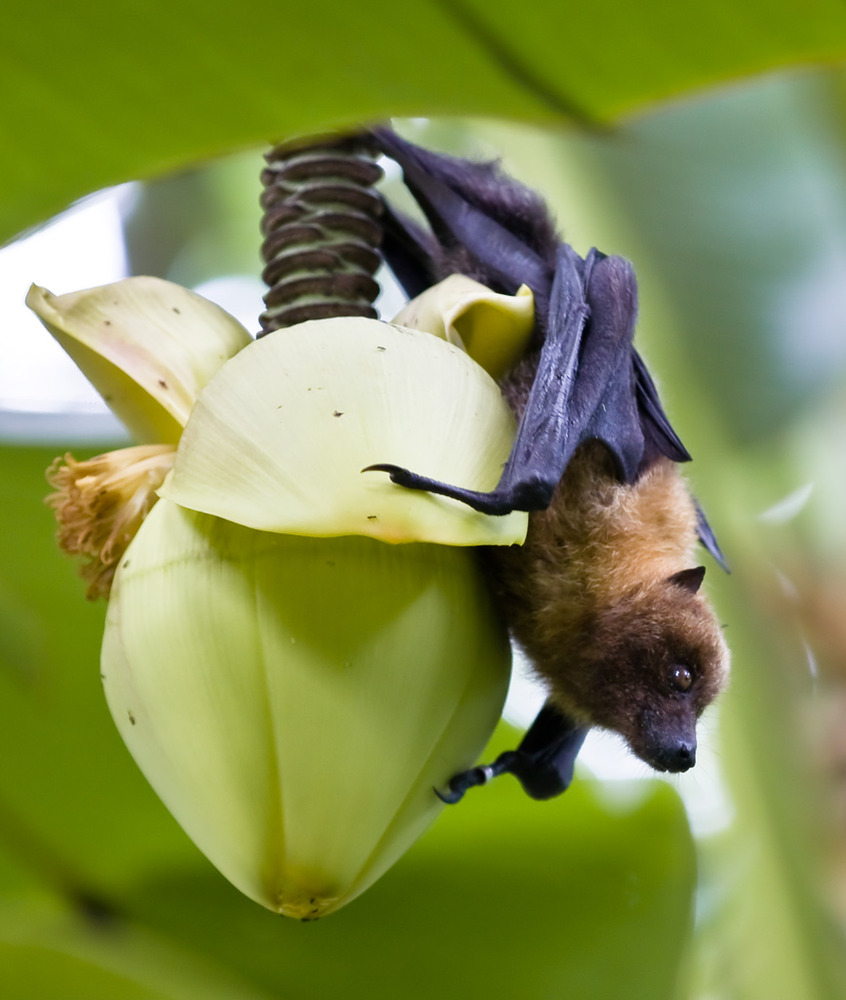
321,231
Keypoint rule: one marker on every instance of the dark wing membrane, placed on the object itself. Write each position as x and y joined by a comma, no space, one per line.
582,389
583,386
659,434
708,538
590,382
605,404
445,189
409,252
550,425
660,438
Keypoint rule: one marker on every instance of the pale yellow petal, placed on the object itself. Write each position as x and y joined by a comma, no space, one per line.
294,700
279,438
494,329
148,347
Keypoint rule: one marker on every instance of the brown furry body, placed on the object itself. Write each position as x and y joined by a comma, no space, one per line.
601,600
604,594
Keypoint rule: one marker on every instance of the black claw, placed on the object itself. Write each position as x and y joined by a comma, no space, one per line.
450,797
398,475
475,776
460,783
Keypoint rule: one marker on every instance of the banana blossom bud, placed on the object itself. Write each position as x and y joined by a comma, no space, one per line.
292,685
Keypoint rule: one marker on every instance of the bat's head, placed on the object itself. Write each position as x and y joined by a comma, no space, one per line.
658,661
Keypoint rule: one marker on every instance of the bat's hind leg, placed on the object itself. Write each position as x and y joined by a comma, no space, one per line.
543,763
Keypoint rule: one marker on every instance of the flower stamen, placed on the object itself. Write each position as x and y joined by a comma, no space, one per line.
100,505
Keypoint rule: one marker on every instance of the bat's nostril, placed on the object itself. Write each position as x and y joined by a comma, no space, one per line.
682,757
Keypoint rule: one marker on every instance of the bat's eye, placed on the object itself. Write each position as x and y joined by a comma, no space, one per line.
681,678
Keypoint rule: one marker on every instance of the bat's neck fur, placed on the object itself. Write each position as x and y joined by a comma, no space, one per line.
611,536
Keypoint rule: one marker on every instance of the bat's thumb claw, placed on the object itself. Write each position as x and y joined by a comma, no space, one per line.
398,475
392,470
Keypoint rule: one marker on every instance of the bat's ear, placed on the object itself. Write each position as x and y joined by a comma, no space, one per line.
689,579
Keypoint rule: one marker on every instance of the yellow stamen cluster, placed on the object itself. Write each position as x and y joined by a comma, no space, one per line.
100,504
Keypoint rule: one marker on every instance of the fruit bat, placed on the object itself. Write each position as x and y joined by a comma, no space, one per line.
604,595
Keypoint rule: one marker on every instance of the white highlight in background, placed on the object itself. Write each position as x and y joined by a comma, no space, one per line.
80,249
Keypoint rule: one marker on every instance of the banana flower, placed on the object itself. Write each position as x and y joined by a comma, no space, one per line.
295,653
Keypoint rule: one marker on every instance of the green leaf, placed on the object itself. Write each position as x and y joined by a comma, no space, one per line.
97,96
504,897
66,776
47,950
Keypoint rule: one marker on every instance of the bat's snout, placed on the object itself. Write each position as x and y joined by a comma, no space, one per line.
675,757
668,744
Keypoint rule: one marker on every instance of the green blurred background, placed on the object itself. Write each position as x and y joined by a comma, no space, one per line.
655,133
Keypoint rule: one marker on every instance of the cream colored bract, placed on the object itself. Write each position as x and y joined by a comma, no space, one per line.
146,345
293,699
494,329
279,438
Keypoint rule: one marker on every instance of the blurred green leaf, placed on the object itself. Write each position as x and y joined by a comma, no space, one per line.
66,782
503,897
95,95
47,950
199,224
734,212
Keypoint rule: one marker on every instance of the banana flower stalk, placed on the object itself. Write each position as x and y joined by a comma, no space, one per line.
295,653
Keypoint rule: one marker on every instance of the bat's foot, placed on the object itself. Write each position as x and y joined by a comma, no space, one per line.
481,775
543,763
